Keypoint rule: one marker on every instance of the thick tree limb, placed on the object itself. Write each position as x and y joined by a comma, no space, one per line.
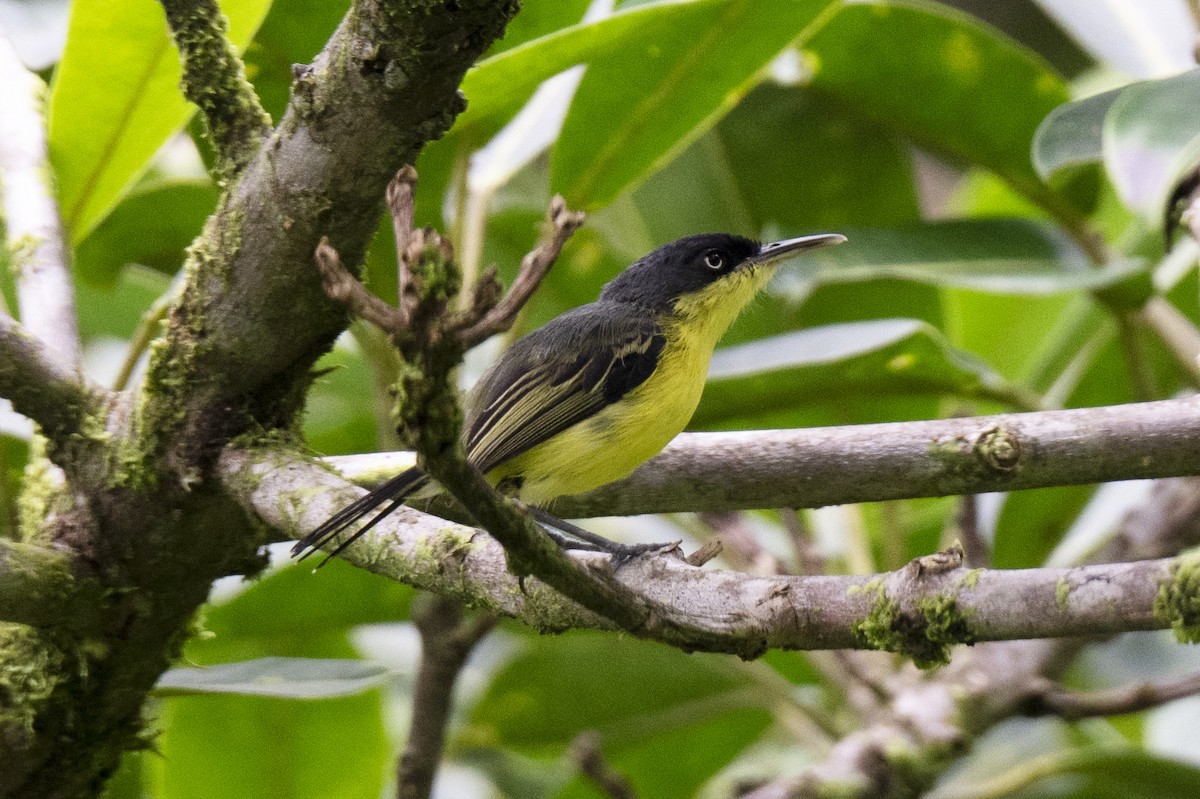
214,78
45,295
920,609
38,588
41,386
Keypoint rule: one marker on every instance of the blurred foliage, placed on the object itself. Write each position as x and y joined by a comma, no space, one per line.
999,216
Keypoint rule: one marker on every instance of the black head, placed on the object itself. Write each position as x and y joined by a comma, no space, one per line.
679,268
693,263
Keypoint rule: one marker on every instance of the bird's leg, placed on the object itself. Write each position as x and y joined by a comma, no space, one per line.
587,540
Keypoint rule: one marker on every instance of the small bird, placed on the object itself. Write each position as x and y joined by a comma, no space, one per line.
592,394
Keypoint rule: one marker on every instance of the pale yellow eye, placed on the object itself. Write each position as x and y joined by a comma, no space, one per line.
714,260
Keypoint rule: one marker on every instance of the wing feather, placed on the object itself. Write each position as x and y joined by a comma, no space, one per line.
533,393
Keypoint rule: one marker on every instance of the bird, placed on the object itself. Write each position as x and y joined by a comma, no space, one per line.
588,397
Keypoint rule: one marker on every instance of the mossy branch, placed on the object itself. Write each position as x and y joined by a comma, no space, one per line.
214,78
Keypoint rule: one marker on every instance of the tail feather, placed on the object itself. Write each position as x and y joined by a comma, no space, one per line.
393,492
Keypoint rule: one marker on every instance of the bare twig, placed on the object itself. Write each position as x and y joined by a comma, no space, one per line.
446,641
534,267
739,541
966,524
33,229
1177,332
585,751
400,205
810,559
1058,701
342,286
214,78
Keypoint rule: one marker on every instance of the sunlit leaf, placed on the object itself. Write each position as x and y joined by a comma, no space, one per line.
952,84
1072,134
993,255
878,357
115,100
1151,138
638,106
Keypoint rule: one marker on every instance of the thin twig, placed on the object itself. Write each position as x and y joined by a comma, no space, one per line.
740,542
966,523
342,286
1177,332
33,228
810,559
446,641
534,268
585,752
214,78
1071,705
400,206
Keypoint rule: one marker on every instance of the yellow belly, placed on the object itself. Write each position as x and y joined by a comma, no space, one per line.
614,442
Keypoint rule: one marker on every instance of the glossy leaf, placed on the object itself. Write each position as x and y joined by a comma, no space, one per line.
152,227
285,678
952,84
501,84
558,688
1072,134
115,100
992,255
1151,138
878,357
637,107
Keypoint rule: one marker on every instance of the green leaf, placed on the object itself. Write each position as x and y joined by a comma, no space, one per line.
621,687
287,678
115,100
152,226
950,83
501,84
637,107
1151,138
1072,134
1003,256
855,359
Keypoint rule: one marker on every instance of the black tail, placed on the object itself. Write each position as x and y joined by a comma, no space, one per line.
393,492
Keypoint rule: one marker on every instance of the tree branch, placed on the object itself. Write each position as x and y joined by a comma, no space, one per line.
214,78
38,588
818,466
45,295
920,610
815,467
41,386
446,641
1072,705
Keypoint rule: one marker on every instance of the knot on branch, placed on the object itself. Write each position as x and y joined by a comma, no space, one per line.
907,620
1000,449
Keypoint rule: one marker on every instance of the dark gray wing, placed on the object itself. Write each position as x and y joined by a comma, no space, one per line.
557,376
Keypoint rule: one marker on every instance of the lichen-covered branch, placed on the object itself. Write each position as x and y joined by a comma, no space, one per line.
41,386
38,588
33,229
921,610
214,78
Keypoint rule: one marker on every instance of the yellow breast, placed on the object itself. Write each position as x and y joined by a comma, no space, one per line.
615,441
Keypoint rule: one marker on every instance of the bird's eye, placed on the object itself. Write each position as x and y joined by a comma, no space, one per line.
714,260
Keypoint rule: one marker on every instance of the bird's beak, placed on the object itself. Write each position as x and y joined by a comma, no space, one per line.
779,250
